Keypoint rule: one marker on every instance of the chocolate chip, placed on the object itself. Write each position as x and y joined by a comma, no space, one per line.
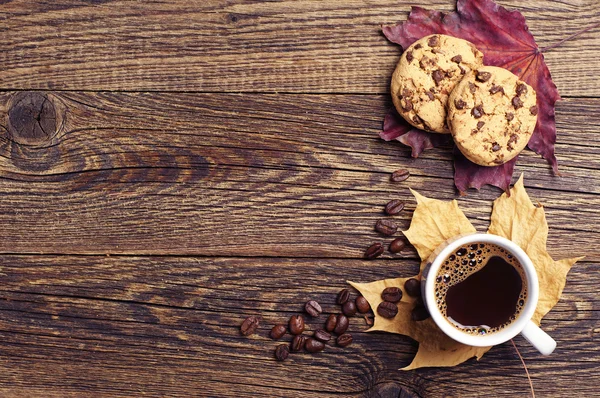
483,76
513,138
457,59
462,70
406,93
533,110
477,111
409,56
472,88
496,89
433,41
438,75
423,62
480,125
495,147
406,105
510,116
430,95
417,119
417,46
473,132
521,89
517,103
460,104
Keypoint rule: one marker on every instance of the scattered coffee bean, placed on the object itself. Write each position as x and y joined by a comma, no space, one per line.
296,324
277,332
483,76
374,251
457,59
349,308
394,207
343,296
282,352
517,103
250,325
521,89
477,111
397,245
330,323
313,308
298,343
387,309
342,324
400,175
386,227
313,345
391,294
413,287
362,305
419,313
344,340
322,335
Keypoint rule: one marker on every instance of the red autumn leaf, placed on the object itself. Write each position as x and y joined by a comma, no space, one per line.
470,175
505,41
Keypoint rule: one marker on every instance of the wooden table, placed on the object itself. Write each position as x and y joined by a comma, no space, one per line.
186,164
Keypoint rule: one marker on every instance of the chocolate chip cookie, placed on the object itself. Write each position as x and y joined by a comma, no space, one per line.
425,76
492,115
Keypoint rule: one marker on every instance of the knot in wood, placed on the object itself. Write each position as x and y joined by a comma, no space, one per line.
31,119
391,390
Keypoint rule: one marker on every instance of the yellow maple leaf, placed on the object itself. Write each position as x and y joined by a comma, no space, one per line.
515,217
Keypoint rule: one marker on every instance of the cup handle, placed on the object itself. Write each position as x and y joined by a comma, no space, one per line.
539,339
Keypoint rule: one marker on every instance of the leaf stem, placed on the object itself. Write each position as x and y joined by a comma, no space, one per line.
524,366
570,37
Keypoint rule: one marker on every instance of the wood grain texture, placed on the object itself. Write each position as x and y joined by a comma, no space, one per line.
236,46
75,324
252,175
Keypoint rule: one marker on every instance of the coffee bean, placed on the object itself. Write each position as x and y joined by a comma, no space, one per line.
460,104
477,111
344,340
250,325
313,345
330,323
457,59
349,308
419,313
277,332
341,325
397,245
391,294
387,309
362,305
282,352
298,343
394,206
343,296
413,287
296,324
322,335
313,308
374,251
386,227
400,175
483,76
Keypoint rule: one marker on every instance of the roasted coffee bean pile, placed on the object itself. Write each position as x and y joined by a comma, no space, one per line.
388,308
333,331
388,227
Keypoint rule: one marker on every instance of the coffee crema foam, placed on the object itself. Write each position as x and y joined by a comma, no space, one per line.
466,261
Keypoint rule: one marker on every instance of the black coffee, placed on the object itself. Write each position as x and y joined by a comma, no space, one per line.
481,288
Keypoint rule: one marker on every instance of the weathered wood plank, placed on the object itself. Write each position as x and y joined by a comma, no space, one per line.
251,175
123,326
293,46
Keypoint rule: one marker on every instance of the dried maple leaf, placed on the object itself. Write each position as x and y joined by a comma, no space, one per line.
505,40
514,217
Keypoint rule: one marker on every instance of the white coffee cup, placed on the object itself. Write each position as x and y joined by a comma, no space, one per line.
523,324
